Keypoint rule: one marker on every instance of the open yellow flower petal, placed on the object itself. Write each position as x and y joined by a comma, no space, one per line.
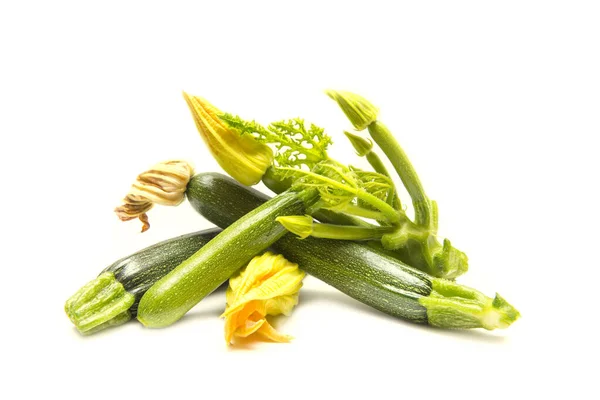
269,285
281,305
267,331
249,328
284,283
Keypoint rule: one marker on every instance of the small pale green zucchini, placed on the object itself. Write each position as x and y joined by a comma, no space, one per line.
112,298
249,234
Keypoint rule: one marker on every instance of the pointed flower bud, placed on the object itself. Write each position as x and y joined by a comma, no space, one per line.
165,183
359,110
301,225
241,156
361,145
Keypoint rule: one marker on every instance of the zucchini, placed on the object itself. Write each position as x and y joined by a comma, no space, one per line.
181,289
360,271
113,297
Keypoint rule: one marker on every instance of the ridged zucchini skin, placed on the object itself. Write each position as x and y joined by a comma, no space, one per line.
112,298
139,271
247,235
356,269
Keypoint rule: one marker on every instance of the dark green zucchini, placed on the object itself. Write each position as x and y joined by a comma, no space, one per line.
356,269
248,234
113,297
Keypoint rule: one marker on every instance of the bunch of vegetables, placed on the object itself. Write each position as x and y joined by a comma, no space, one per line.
343,225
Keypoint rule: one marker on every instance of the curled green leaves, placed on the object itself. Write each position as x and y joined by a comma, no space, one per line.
344,188
295,144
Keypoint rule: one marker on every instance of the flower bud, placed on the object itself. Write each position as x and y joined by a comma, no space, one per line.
300,225
359,111
241,156
361,145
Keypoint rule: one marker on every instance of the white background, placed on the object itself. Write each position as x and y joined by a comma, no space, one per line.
496,103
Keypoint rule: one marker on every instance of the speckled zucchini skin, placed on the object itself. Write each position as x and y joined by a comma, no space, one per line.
247,235
140,270
356,269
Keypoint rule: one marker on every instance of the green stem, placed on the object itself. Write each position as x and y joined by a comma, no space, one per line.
388,211
422,250
277,185
305,226
359,212
339,232
459,307
339,218
378,166
403,232
364,148
386,141
101,302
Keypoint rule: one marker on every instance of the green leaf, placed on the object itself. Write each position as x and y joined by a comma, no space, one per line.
295,145
340,186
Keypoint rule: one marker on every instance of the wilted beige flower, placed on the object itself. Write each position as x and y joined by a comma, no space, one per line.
165,183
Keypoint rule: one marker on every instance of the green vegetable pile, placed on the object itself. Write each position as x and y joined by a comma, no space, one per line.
343,225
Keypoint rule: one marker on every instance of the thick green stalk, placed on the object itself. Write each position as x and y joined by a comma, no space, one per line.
386,141
422,250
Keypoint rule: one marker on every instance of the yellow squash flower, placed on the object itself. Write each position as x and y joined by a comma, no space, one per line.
241,156
269,285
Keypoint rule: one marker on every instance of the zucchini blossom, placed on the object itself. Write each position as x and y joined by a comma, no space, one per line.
241,156
269,285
